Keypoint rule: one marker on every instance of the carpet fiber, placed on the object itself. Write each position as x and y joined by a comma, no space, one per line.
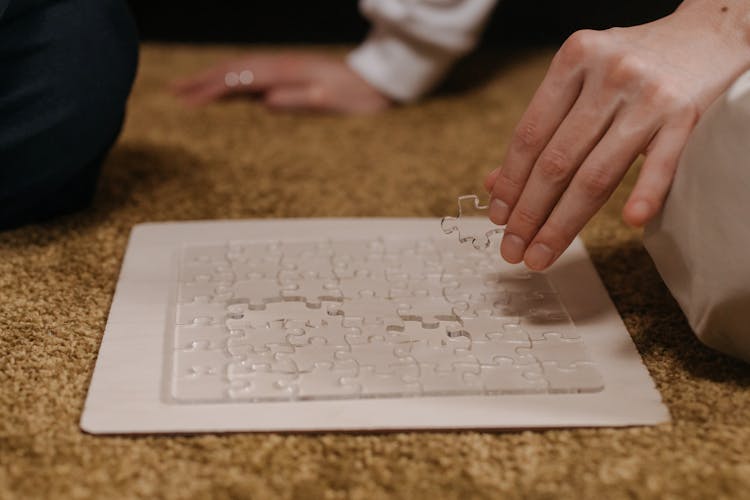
236,160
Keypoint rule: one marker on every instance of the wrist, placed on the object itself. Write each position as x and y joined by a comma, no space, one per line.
727,21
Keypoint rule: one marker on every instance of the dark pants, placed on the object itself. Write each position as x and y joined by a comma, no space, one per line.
66,68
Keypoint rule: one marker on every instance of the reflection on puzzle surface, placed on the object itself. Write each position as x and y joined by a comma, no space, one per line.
268,321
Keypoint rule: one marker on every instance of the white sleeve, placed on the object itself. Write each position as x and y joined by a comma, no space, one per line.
701,241
413,43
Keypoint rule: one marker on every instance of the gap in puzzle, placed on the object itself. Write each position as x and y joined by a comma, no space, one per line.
378,318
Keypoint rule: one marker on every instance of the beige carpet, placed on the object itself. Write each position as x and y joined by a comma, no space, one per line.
236,160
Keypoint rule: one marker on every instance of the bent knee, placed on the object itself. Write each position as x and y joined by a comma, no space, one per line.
70,65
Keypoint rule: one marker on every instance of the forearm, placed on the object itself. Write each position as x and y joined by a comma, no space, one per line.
413,44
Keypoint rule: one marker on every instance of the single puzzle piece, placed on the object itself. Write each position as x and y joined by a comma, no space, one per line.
370,383
264,361
316,352
317,265
506,377
437,382
364,281
204,254
520,280
514,332
262,385
238,251
537,326
483,323
413,331
579,377
197,361
266,266
554,348
495,349
430,311
379,354
201,311
198,373
469,288
241,317
495,305
467,204
257,293
206,272
357,248
260,338
192,335
368,331
545,306
305,249
332,330
367,308
375,265
441,355
310,288
418,266
394,245
431,286
207,291
324,382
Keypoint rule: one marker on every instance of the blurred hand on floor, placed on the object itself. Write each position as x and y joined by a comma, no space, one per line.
295,81
609,96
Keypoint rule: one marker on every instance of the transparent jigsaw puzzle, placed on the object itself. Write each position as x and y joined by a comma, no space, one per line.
369,318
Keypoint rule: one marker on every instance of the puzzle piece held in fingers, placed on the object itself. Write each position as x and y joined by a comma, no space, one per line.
469,205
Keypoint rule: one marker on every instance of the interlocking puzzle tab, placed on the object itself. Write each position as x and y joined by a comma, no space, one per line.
375,318
469,205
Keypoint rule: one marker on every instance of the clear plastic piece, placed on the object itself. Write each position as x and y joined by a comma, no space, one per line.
378,318
470,206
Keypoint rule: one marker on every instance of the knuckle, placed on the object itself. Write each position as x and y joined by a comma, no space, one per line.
506,186
319,96
626,68
526,137
677,103
596,184
554,165
555,237
579,45
525,217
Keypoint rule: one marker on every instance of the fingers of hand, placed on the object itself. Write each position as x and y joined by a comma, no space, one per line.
251,75
300,97
577,135
548,108
656,175
213,84
591,186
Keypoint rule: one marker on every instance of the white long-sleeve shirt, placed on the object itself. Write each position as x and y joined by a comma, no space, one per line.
414,43
701,241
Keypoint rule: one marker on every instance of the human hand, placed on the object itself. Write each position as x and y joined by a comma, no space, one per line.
609,96
289,81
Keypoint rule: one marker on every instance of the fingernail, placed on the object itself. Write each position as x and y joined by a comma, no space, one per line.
498,211
539,256
512,248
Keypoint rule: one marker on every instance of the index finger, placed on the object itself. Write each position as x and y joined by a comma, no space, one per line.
548,108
